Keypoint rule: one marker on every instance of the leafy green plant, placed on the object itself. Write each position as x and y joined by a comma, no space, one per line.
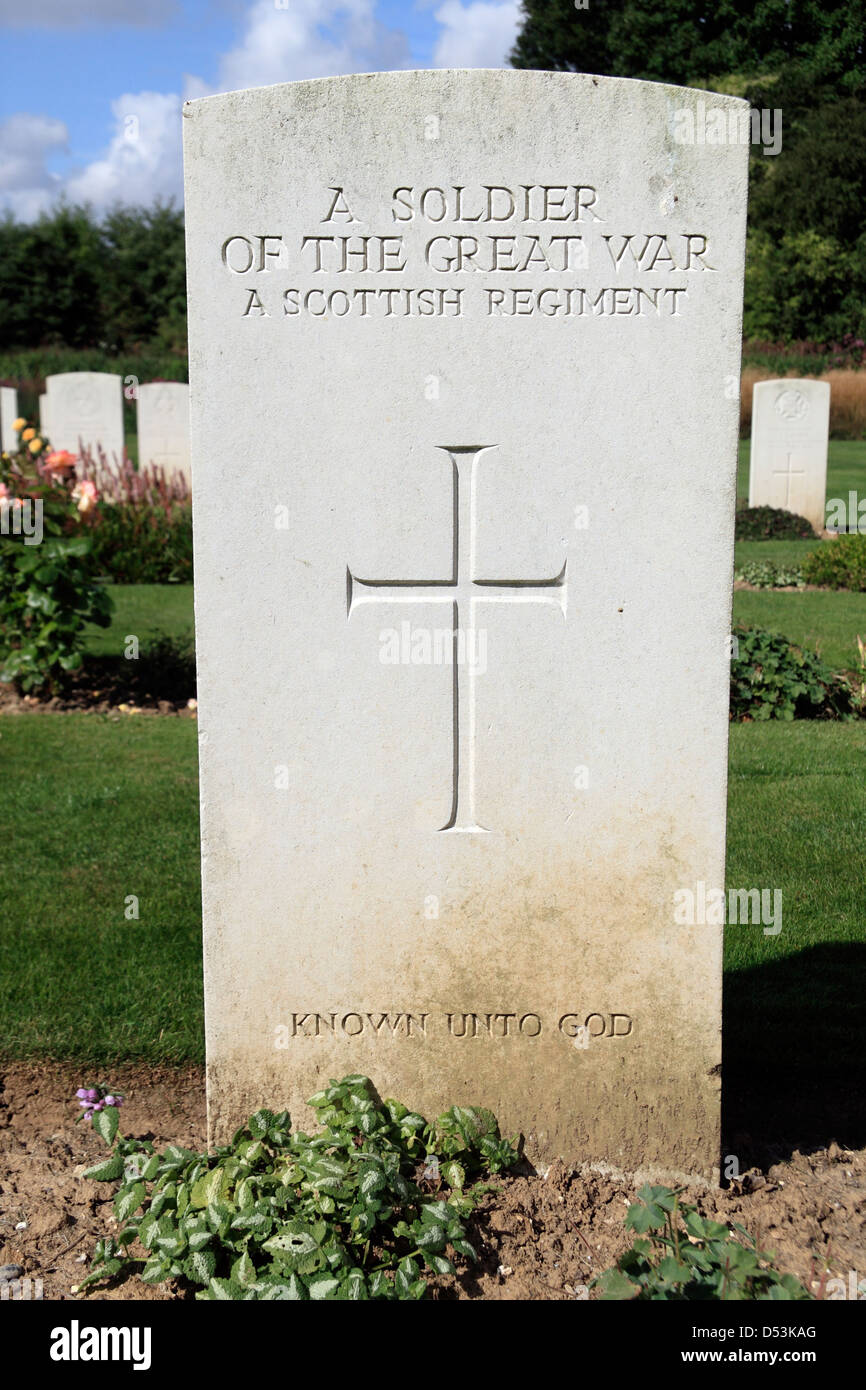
841,564
766,574
47,596
771,524
48,588
688,1257
771,678
139,543
368,1208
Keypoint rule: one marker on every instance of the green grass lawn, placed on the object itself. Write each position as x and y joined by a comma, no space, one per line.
826,621
780,552
93,810
145,610
846,468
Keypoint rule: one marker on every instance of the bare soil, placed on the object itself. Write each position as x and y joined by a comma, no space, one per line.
540,1236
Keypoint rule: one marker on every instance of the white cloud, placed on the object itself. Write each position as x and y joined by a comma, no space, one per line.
75,14
477,35
26,185
307,38
311,38
143,160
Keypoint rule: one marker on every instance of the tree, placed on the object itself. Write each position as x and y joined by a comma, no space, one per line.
695,44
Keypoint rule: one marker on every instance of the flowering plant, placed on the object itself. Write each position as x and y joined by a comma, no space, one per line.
48,591
94,1099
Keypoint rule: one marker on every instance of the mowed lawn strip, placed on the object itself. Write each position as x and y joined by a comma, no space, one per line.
794,1028
93,810
824,620
143,611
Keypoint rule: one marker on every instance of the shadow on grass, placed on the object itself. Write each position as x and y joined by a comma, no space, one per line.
794,1041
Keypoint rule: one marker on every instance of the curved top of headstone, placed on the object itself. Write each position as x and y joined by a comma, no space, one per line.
444,76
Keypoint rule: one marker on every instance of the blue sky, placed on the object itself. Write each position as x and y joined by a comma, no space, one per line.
92,89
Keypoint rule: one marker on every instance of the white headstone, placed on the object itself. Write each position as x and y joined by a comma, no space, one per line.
45,418
86,407
788,462
458,351
8,416
163,426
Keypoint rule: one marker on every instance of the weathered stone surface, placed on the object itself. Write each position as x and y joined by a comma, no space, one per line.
86,407
458,876
163,426
790,430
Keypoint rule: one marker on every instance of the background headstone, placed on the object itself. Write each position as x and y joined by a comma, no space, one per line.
8,416
459,879
788,462
86,406
44,418
163,426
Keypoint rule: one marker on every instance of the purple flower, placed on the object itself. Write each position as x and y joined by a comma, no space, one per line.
110,1100
81,1093
85,1104
92,1094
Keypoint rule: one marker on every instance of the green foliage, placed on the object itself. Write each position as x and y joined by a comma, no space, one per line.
48,588
166,664
839,565
47,596
771,524
345,1214
804,357
689,1258
143,544
804,284
819,180
686,42
68,279
764,574
773,679
806,264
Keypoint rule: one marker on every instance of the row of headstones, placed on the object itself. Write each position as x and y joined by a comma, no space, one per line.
87,408
788,468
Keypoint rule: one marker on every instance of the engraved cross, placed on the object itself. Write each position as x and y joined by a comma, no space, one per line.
463,591
787,473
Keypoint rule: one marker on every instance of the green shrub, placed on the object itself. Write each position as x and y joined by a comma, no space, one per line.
688,1258
771,524
765,574
138,543
841,564
48,588
166,667
358,1211
773,679
47,596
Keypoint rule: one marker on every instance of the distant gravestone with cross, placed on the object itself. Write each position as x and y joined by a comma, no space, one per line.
788,462
459,345
86,408
163,426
